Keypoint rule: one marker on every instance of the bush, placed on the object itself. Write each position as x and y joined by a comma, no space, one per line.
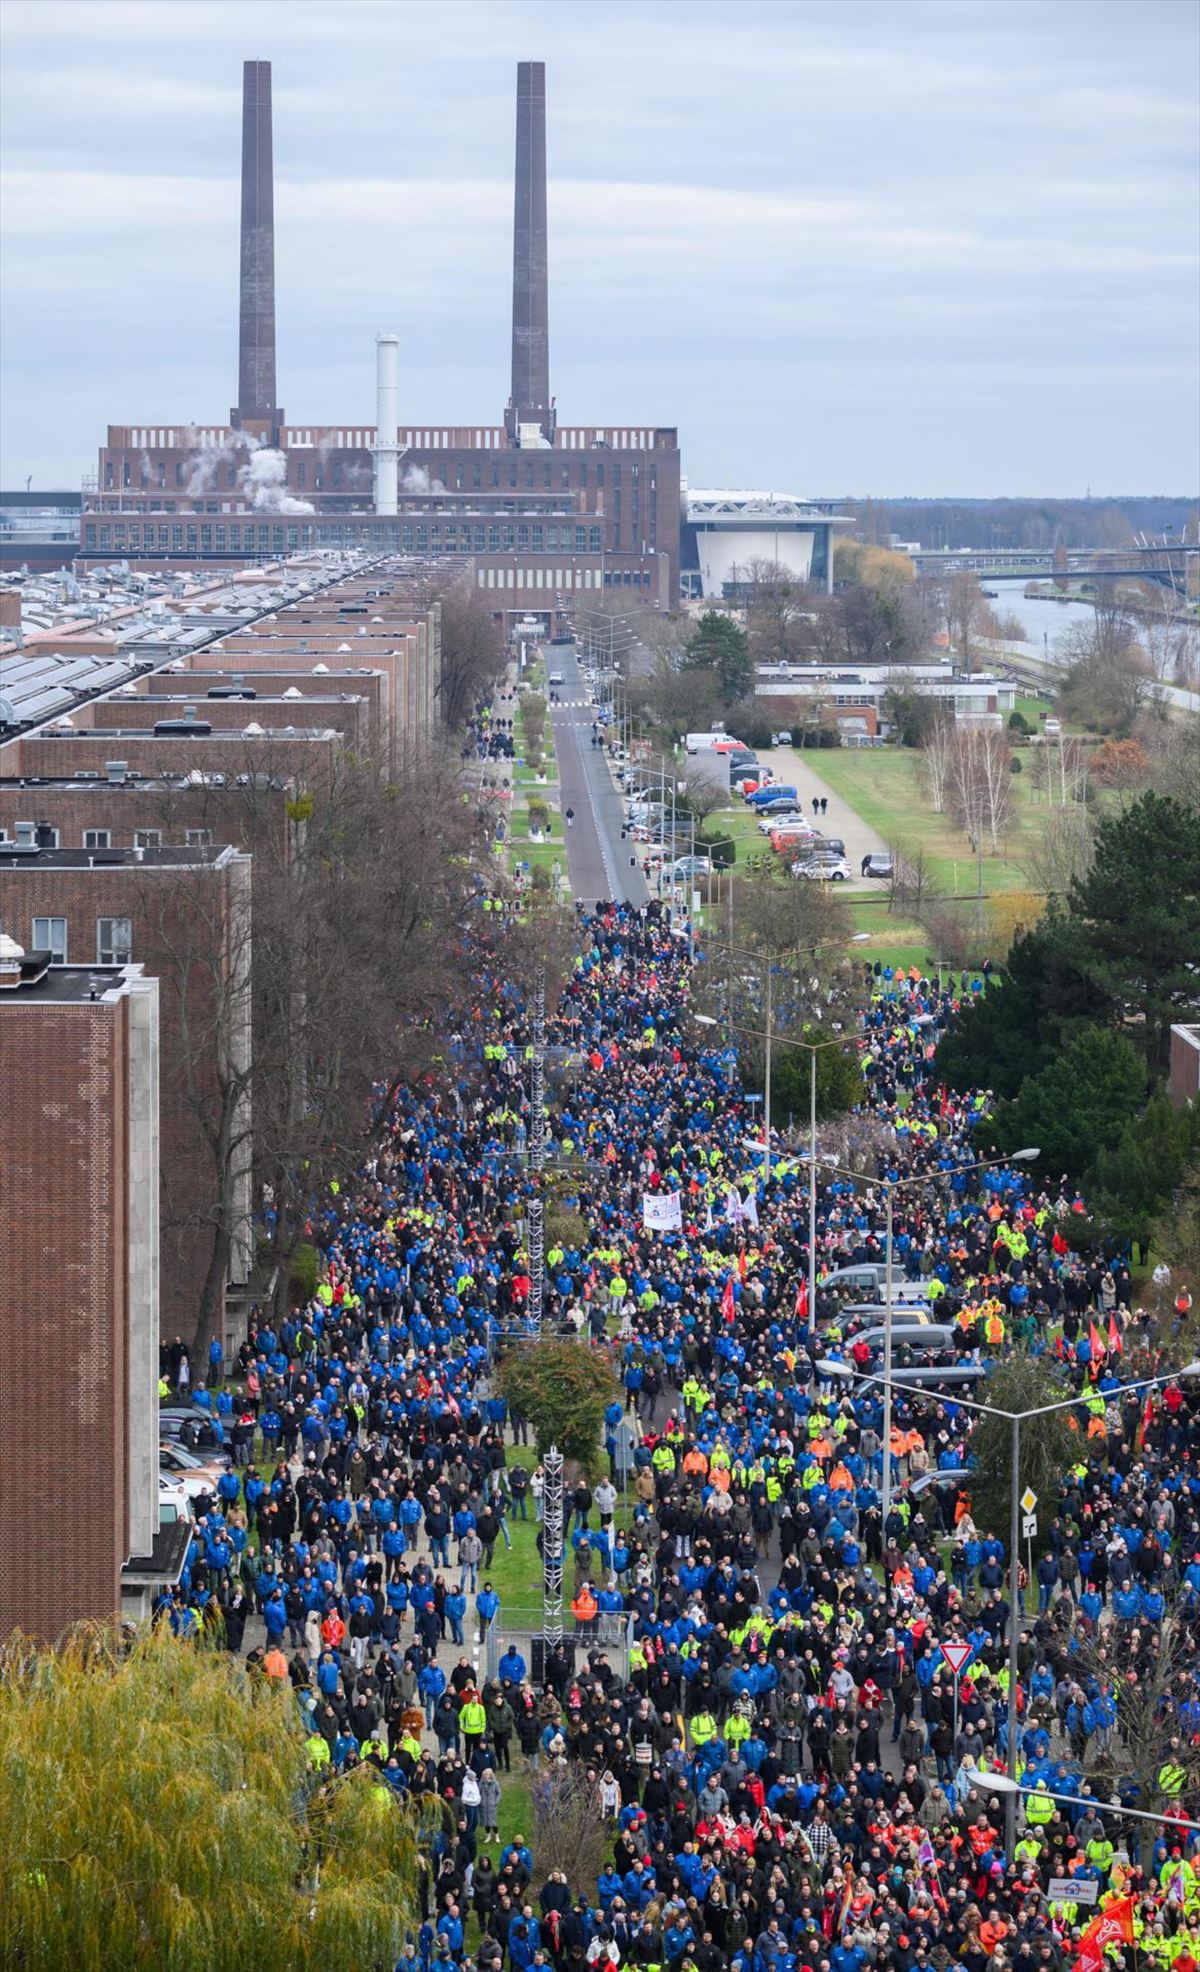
565,1228
539,817
304,1271
563,1388
1019,724
721,850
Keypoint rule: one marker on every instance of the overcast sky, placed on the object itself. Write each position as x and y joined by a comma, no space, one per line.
921,248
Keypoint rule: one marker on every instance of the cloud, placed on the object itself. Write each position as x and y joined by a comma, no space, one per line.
778,229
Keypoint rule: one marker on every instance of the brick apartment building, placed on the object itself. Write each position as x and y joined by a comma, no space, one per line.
79,1065
185,916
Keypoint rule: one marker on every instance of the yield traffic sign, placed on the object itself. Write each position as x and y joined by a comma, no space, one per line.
955,1654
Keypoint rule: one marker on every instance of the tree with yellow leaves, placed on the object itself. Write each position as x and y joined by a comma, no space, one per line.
158,1809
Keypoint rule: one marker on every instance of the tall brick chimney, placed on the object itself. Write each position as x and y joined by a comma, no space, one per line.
256,337
529,405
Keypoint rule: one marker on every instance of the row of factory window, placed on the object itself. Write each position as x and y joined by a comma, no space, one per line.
206,537
562,579
460,476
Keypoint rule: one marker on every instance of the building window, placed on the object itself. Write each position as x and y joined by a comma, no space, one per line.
50,935
594,540
198,838
537,540
114,941
147,838
97,838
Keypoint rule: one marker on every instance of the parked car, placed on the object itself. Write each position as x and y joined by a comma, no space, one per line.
780,804
950,1475
175,1461
783,738
692,866
868,1275
825,869
189,1485
770,791
879,864
856,1315
194,1429
919,1338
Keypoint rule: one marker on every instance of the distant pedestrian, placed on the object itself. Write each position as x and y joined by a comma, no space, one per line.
865,864
824,803
816,805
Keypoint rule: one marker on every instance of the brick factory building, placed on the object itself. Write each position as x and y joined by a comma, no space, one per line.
552,516
79,1064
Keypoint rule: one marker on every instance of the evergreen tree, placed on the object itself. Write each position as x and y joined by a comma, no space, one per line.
719,645
1078,1106
1015,1030
1137,914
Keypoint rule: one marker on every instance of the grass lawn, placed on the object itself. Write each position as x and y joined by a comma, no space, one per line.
882,786
1032,706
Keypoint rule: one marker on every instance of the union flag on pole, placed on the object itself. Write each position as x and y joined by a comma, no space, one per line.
727,1302
1114,1335
802,1302
1097,1342
1113,1926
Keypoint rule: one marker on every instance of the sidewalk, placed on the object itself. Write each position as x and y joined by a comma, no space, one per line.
791,766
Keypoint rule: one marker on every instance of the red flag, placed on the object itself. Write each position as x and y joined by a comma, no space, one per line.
1094,1338
1059,1245
742,1263
1114,1335
1147,1419
1113,1926
802,1302
943,1104
727,1300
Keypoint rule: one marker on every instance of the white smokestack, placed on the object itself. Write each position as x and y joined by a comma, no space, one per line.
387,415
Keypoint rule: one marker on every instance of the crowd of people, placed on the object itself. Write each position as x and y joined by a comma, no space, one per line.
792,1776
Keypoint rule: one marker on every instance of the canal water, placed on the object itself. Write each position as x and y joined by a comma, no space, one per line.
1044,620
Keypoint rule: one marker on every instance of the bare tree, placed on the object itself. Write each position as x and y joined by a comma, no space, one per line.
914,886
980,783
1059,853
472,654
966,608
569,1833
1149,1675
1171,747
196,932
937,752
1107,680
775,604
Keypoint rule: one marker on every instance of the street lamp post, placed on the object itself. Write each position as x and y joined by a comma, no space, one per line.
768,1035
891,1186
1012,1787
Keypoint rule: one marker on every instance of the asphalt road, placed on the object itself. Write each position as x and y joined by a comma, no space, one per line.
601,865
